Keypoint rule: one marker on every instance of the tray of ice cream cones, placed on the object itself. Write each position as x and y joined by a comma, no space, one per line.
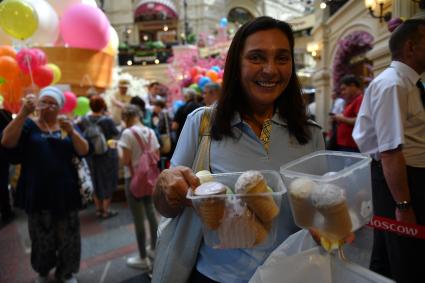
238,210
330,192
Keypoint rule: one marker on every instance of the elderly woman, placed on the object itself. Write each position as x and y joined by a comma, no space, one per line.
259,123
48,184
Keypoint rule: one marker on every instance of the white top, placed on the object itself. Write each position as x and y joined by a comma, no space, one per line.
210,188
338,106
327,196
301,188
392,115
247,181
129,141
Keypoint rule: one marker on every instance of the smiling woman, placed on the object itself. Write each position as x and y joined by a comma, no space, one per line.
267,82
259,123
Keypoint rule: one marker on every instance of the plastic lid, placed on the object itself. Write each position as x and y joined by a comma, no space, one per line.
210,188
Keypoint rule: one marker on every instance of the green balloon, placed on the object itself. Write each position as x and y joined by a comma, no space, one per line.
2,80
83,106
1,100
196,88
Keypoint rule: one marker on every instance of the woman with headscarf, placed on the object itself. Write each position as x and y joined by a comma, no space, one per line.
48,185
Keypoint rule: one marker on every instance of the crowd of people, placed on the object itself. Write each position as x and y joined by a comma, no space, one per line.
48,146
257,119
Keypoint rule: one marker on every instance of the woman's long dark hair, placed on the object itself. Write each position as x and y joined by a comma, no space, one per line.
289,104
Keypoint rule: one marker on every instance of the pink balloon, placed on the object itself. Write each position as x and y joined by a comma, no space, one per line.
70,102
84,26
40,56
30,59
43,76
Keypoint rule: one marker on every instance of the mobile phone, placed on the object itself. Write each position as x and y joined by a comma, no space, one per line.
331,114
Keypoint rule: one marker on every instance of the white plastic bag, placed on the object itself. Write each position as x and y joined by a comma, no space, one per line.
300,260
296,260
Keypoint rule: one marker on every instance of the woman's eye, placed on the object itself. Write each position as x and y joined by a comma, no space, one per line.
283,59
255,58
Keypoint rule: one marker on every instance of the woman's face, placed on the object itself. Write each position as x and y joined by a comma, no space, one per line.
48,106
266,66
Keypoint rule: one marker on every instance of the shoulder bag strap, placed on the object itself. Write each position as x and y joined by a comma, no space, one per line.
167,126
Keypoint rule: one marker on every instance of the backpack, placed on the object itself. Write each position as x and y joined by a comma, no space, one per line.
145,174
95,136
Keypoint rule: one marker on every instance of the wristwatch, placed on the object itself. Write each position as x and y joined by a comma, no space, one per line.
403,205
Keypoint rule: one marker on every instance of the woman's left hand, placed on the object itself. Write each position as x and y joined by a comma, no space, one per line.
66,125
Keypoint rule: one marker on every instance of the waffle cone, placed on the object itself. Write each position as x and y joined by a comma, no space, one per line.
212,212
337,223
261,232
263,206
241,231
303,211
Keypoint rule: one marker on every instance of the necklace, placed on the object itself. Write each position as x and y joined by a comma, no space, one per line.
46,126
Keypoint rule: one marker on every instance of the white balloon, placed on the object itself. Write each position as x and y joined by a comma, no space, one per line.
48,24
61,6
90,2
114,40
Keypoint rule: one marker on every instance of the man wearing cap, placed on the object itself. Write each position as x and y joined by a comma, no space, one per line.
48,187
390,126
119,100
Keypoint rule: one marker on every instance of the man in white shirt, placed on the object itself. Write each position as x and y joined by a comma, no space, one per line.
391,127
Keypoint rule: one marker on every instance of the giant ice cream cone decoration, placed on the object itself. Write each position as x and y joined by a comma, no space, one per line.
82,68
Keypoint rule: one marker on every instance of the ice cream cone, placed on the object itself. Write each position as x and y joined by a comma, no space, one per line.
241,231
330,202
211,209
337,223
204,176
299,195
252,182
64,134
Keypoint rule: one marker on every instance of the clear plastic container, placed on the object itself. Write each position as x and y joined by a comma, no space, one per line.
330,191
232,220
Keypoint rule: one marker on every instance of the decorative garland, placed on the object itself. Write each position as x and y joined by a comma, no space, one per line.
354,44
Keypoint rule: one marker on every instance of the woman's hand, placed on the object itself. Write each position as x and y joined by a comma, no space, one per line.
66,125
171,189
28,105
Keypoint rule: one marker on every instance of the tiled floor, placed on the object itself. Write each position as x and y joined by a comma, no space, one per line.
106,244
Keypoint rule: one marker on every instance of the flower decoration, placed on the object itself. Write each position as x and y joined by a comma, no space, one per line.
354,44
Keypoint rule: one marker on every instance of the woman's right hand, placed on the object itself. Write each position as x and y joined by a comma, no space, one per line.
29,104
171,189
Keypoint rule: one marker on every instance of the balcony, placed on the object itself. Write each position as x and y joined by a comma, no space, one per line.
145,54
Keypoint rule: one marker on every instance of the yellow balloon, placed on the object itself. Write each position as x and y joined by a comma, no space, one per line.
18,19
57,74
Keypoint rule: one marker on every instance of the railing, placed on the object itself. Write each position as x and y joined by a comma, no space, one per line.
143,56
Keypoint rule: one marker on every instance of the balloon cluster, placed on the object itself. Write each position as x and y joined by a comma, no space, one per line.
21,70
72,23
198,77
